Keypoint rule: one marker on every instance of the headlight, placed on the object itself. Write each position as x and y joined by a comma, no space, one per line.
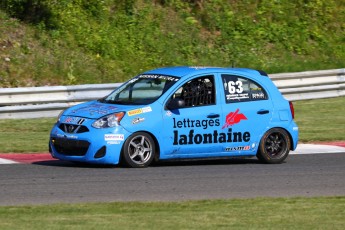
108,121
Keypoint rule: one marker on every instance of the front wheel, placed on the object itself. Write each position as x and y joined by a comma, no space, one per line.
274,146
138,150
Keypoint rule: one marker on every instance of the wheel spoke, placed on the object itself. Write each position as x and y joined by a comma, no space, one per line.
136,153
147,149
142,158
142,141
133,144
271,138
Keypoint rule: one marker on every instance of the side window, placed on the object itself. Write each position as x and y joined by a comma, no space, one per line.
239,89
197,92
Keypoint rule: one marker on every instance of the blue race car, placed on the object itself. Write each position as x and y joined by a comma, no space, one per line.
179,113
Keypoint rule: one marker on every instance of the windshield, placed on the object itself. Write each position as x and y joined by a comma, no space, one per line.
141,90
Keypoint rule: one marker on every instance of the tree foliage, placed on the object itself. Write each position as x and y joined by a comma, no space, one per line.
120,38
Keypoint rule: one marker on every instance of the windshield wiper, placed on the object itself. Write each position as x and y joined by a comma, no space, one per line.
117,102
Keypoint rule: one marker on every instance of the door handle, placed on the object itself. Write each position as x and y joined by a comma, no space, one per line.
263,111
212,115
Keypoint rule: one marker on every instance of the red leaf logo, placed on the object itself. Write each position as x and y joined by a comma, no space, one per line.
233,118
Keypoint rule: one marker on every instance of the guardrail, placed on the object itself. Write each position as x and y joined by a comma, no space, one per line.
48,101
311,84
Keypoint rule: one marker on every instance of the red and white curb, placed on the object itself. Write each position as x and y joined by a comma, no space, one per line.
25,158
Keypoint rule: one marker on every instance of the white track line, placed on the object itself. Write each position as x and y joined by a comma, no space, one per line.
5,161
316,149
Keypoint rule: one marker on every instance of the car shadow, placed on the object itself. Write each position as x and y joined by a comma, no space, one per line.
68,164
218,161
165,163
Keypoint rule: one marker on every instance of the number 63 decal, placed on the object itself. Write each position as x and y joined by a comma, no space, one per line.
235,87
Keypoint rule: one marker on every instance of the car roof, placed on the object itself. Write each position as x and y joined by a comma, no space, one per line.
182,71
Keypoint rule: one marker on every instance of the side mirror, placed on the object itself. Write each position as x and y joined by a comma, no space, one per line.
175,103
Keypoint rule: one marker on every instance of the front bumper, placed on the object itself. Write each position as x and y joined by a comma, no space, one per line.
99,146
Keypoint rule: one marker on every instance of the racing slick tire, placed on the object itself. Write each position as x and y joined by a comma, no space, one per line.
274,146
138,150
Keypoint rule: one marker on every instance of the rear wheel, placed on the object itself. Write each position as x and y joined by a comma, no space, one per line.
138,150
274,146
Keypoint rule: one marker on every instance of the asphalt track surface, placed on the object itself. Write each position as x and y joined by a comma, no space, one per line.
47,181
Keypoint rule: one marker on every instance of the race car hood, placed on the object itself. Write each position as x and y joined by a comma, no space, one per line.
95,109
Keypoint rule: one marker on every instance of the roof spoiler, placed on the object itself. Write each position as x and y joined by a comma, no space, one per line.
263,73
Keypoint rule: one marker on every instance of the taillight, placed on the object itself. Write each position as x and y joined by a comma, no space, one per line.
292,110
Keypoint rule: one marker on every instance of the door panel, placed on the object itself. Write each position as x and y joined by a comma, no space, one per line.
192,131
246,114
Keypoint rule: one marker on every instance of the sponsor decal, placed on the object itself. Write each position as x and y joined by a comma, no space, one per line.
147,109
235,97
139,111
137,120
258,95
155,76
73,120
96,108
255,89
209,138
132,80
67,136
69,119
238,148
114,137
188,123
295,128
135,112
212,137
113,142
233,118
81,121
198,67
149,76
168,113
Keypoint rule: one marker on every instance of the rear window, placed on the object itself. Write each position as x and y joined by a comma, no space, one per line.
238,89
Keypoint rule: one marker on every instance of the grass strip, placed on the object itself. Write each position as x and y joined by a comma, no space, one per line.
259,213
318,120
321,120
25,135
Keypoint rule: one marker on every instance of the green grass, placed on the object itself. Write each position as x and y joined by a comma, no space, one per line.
318,120
259,213
28,135
321,120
